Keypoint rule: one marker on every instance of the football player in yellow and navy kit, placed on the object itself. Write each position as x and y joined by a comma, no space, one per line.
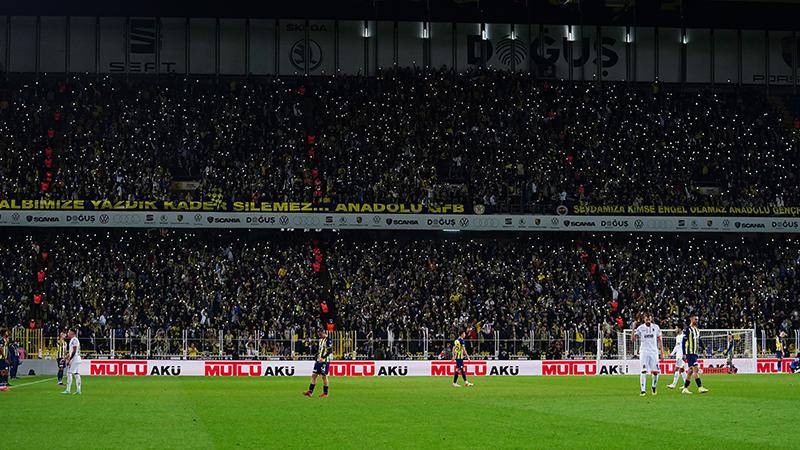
322,364
61,357
692,346
459,352
780,345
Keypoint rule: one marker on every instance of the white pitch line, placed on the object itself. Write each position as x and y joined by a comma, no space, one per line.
32,382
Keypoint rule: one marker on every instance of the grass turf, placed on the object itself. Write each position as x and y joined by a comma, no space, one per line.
542,412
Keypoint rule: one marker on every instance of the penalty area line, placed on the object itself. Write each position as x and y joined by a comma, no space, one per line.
32,382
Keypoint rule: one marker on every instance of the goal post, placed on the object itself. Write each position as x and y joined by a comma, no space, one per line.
714,340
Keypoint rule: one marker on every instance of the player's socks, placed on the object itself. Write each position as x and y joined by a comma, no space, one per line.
78,382
69,383
675,378
311,388
683,375
643,382
655,382
325,390
464,376
698,382
455,378
686,383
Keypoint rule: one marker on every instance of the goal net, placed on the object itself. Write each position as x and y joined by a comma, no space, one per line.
715,342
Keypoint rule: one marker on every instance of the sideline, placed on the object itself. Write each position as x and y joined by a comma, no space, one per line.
32,382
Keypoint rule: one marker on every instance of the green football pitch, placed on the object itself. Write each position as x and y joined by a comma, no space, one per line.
741,411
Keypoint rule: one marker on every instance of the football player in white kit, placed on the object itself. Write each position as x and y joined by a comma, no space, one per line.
677,353
73,363
650,349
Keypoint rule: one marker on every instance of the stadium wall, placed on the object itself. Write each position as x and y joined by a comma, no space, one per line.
377,221
112,367
206,46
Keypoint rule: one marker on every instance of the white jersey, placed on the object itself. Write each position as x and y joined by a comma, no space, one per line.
648,338
75,345
677,352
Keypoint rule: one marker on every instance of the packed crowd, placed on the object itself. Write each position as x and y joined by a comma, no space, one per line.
494,138
132,281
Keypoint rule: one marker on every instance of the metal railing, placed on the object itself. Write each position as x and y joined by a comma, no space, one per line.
294,344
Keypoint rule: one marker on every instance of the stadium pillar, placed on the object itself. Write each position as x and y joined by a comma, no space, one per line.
795,57
247,47
712,56
766,60
394,44
187,37
158,45
216,48
97,46
127,44
38,44
67,39
739,57
306,52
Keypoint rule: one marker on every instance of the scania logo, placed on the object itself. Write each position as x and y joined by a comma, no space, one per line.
224,220
402,221
104,218
572,223
464,222
749,225
42,219
284,220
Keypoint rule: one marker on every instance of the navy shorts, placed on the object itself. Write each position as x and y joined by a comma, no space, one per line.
691,360
459,364
321,368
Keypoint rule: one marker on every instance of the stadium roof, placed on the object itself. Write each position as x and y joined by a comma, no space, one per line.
758,14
